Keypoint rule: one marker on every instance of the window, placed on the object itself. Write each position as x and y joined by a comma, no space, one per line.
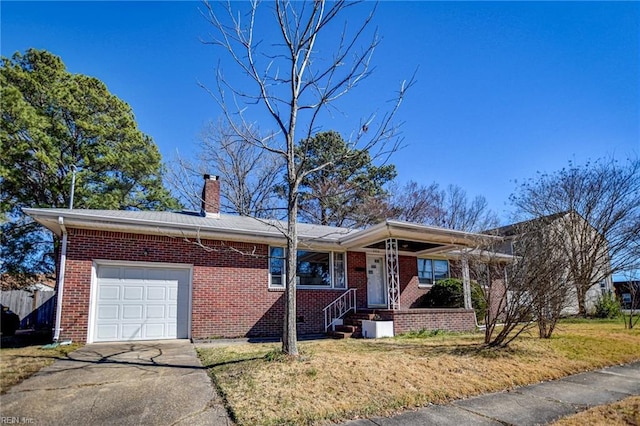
339,278
276,267
314,269
432,270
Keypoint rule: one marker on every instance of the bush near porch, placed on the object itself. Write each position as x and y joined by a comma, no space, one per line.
336,380
449,293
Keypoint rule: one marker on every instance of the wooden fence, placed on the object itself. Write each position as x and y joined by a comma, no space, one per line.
35,308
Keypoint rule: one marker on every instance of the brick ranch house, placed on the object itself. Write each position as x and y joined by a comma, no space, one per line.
141,275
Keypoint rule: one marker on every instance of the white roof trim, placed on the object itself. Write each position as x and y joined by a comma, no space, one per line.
244,229
409,231
267,234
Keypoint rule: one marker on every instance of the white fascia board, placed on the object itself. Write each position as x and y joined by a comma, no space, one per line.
148,227
412,232
441,250
367,236
483,255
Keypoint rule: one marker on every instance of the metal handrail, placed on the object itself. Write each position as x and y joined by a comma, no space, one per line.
339,308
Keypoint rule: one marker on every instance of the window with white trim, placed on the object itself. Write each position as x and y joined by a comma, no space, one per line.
315,269
276,267
339,270
432,270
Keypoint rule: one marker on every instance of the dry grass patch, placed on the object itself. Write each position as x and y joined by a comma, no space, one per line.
341,379
17,364
622,413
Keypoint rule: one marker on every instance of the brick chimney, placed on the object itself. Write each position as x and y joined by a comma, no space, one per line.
211,196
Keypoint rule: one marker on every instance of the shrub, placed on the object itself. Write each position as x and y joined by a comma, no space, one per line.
449,293
607,307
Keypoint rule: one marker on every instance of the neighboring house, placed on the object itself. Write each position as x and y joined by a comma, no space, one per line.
599,260
135,275
628,293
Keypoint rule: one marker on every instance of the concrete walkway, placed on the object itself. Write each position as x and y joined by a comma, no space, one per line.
141,383
537,404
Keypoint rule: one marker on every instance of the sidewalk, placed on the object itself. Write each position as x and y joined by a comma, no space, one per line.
537,404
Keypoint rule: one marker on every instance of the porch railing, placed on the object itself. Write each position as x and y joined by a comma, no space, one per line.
339,308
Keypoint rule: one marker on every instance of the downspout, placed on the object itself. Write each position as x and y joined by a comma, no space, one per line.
63,261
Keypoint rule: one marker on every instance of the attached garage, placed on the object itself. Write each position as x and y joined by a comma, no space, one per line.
140,302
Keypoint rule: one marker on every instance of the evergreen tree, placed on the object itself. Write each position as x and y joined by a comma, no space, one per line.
52,121
344,184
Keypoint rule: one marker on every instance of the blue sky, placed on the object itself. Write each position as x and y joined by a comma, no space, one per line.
503,89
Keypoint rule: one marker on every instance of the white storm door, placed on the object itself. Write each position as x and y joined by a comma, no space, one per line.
141,303
376,288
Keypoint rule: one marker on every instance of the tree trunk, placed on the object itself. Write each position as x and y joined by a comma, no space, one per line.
580,294
289,336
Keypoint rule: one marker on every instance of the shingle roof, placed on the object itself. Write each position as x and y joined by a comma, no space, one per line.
223,223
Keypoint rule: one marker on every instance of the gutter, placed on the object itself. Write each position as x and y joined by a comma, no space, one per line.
63,262
77,219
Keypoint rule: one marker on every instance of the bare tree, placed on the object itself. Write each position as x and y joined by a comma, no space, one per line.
602,231
630,306
524,279
507,304
541,264
293,77
249,174
448,208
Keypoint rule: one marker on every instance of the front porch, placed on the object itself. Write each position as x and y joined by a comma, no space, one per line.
404,321
400,262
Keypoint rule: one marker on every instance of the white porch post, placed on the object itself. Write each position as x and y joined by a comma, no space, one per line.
466,282
393,276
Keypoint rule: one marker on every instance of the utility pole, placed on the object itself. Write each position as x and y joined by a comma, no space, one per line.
73,185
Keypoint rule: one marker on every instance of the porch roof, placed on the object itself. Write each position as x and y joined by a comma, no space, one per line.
412,237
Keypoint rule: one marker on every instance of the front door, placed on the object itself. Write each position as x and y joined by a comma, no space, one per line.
376,288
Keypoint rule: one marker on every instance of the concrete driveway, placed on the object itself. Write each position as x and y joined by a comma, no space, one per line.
146,383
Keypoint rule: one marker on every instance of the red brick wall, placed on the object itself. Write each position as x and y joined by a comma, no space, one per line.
430,319
230,295
410,292
357,276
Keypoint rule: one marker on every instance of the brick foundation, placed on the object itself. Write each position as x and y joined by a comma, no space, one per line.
430,319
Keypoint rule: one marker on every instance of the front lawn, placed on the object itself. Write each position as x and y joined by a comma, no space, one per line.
20,358
337,380
621,413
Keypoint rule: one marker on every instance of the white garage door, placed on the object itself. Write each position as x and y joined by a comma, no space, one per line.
141,303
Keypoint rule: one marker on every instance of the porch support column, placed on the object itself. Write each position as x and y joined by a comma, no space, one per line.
393,276
466,282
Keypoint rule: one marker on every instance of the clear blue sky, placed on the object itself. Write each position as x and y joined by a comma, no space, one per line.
503,89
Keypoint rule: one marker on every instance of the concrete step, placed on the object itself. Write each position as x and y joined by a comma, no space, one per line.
362,315
347,328
339,334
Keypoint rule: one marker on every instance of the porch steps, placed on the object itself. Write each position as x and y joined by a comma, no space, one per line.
352,326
